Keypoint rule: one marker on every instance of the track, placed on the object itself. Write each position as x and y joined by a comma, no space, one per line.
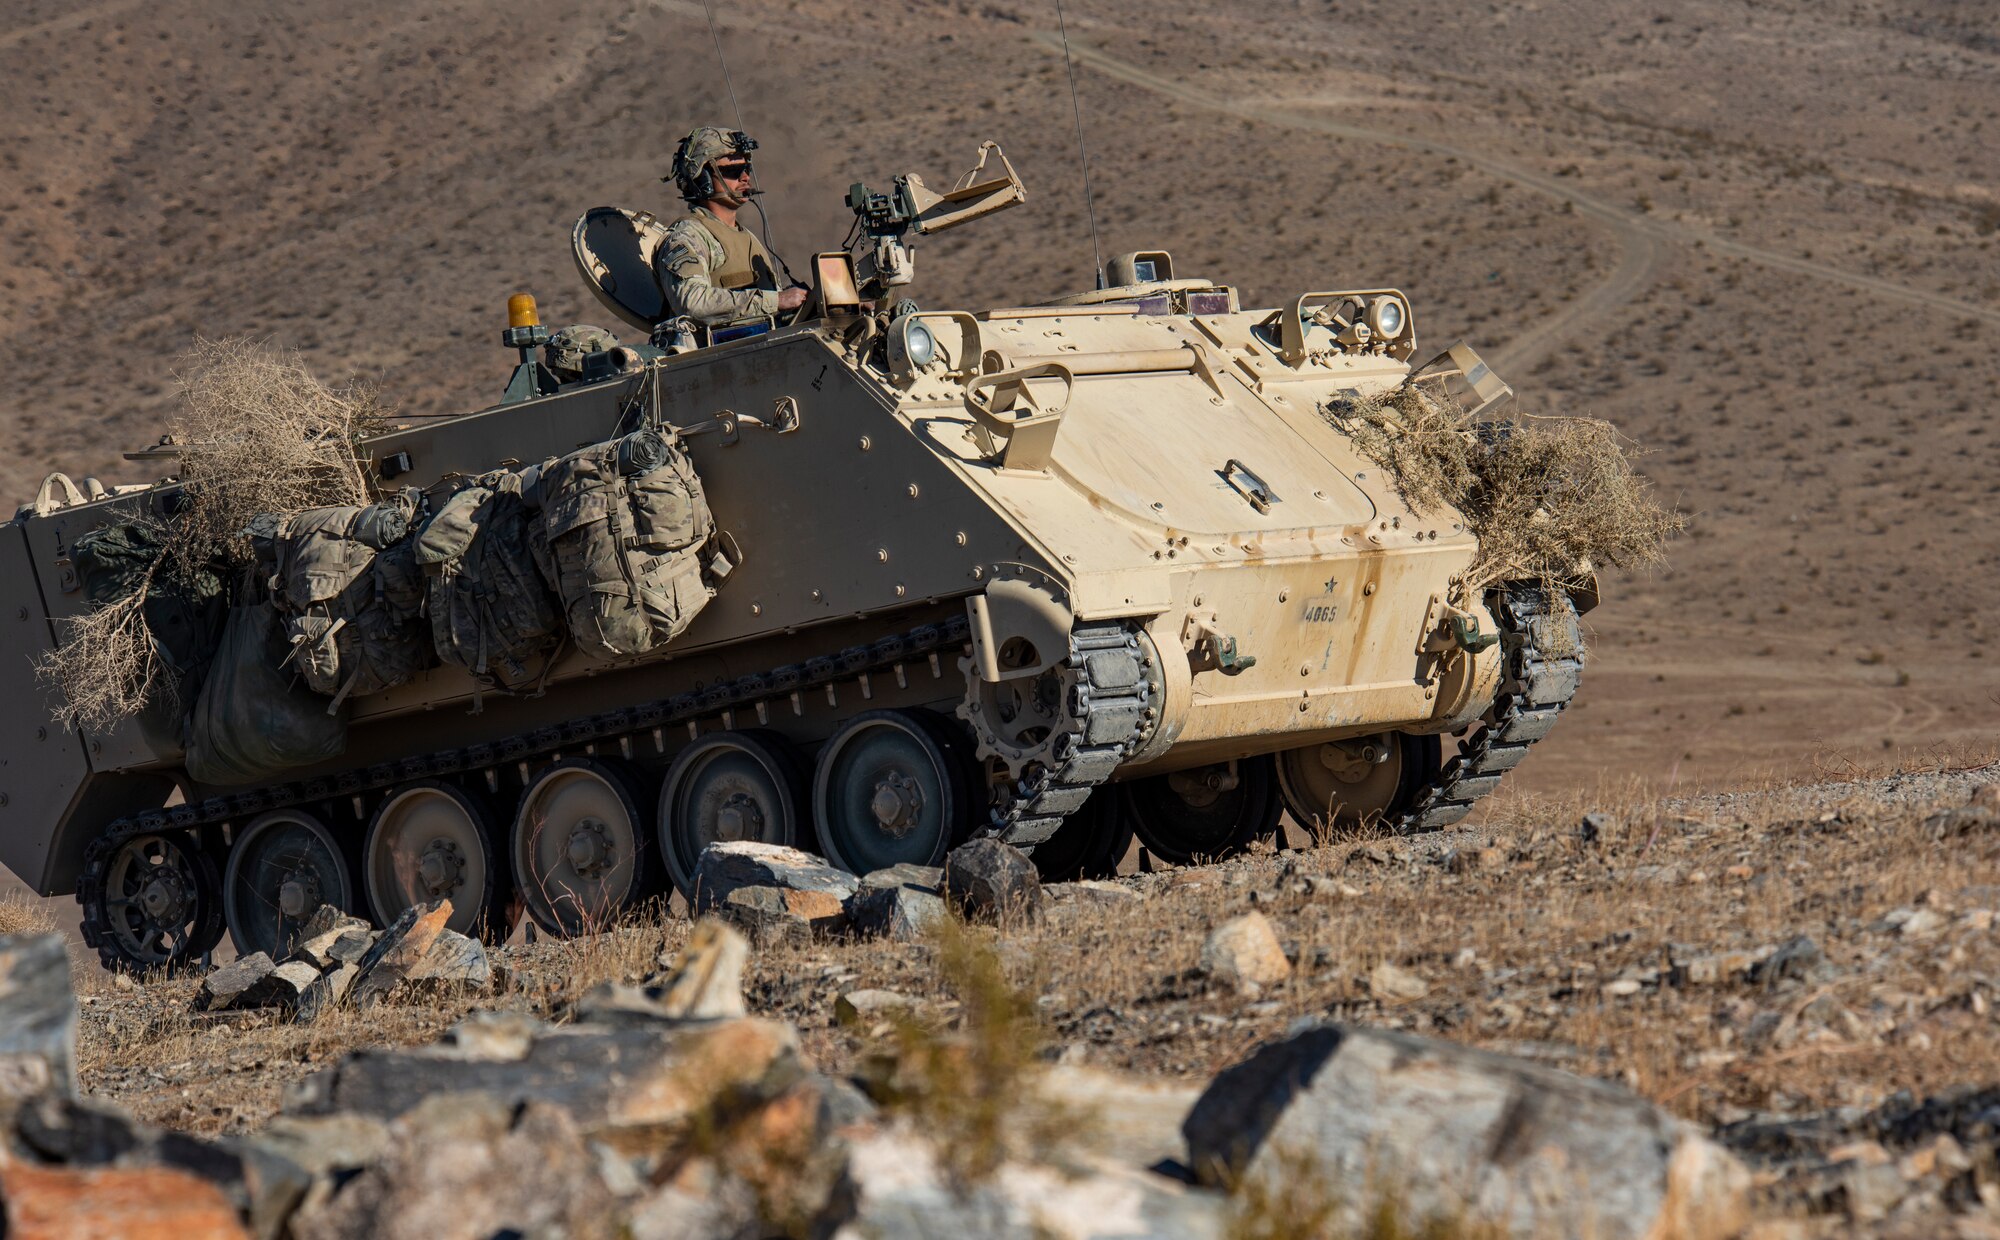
1643,242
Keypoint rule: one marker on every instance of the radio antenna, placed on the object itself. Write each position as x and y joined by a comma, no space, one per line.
708,11
1076,108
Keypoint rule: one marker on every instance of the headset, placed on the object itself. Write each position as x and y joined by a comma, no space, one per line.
699,187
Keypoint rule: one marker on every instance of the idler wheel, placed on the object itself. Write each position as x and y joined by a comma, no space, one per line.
747,785
153,903
891,786
431,840
1090,842
1341,786
1207,812
283,866
579,845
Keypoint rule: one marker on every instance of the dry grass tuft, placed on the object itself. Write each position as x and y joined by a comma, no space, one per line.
257,434
973,1091
108,667
23,914
1550,499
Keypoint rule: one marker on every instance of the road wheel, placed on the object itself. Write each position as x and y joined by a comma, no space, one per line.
747,785
282,867
150,902
1208,812
1341,786
428,841
579,846
892,786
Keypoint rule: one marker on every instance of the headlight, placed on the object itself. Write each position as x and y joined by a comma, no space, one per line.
1386,318
919,345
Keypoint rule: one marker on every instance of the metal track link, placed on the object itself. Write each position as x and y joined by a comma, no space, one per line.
610,727
1543,645
1115,695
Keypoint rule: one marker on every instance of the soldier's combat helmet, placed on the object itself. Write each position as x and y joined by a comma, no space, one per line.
694,171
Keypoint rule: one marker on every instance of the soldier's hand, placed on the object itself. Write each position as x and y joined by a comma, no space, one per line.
791,298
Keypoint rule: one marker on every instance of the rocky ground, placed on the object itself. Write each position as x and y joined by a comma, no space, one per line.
1805,974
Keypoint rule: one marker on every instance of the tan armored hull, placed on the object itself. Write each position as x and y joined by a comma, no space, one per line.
1053,574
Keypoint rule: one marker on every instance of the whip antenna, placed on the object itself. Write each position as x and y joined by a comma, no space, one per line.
708,11
1089,207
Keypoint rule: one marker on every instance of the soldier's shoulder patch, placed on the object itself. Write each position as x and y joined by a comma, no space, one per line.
684,244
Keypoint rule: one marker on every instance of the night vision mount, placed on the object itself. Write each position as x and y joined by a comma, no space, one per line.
911,206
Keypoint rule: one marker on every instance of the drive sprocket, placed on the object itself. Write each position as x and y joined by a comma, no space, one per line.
1018,723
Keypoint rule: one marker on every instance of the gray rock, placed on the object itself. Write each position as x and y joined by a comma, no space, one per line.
701,1202
1391,984
894,1188
603,1077
323,930
904,912
866,1007
326,993
399,951
730,865
57,1128
470,1166
1131,1120
351,946
1799,959
1091,893
705,983
37,1017
222,987
326,919
906,874
1243,953
1464,1135
281,988
454,962
771,915
989,880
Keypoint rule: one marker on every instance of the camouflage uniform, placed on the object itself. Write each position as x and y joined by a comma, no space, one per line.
716,274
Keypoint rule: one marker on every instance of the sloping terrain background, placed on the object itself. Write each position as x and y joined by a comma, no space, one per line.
1758,237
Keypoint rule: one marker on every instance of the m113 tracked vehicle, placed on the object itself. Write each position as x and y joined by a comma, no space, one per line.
1054,573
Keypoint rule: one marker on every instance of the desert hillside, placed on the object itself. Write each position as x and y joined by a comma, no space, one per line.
1758,237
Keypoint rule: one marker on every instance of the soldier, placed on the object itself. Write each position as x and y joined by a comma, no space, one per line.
712,269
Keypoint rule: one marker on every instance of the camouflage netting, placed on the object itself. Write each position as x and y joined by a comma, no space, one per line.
1550,499
257,433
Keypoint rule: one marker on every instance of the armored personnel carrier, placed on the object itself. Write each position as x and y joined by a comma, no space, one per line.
1054,573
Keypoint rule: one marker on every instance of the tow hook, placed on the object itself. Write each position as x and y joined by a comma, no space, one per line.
1446,626
1208,646
1467,632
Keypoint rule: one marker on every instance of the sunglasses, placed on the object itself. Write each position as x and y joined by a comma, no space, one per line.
731,172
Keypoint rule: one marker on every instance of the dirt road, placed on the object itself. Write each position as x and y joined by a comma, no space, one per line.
1643,241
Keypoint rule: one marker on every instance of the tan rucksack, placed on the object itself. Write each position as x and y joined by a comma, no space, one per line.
626,526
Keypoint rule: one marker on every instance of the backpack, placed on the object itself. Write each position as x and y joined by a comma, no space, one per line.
491,612
347,583
624,527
